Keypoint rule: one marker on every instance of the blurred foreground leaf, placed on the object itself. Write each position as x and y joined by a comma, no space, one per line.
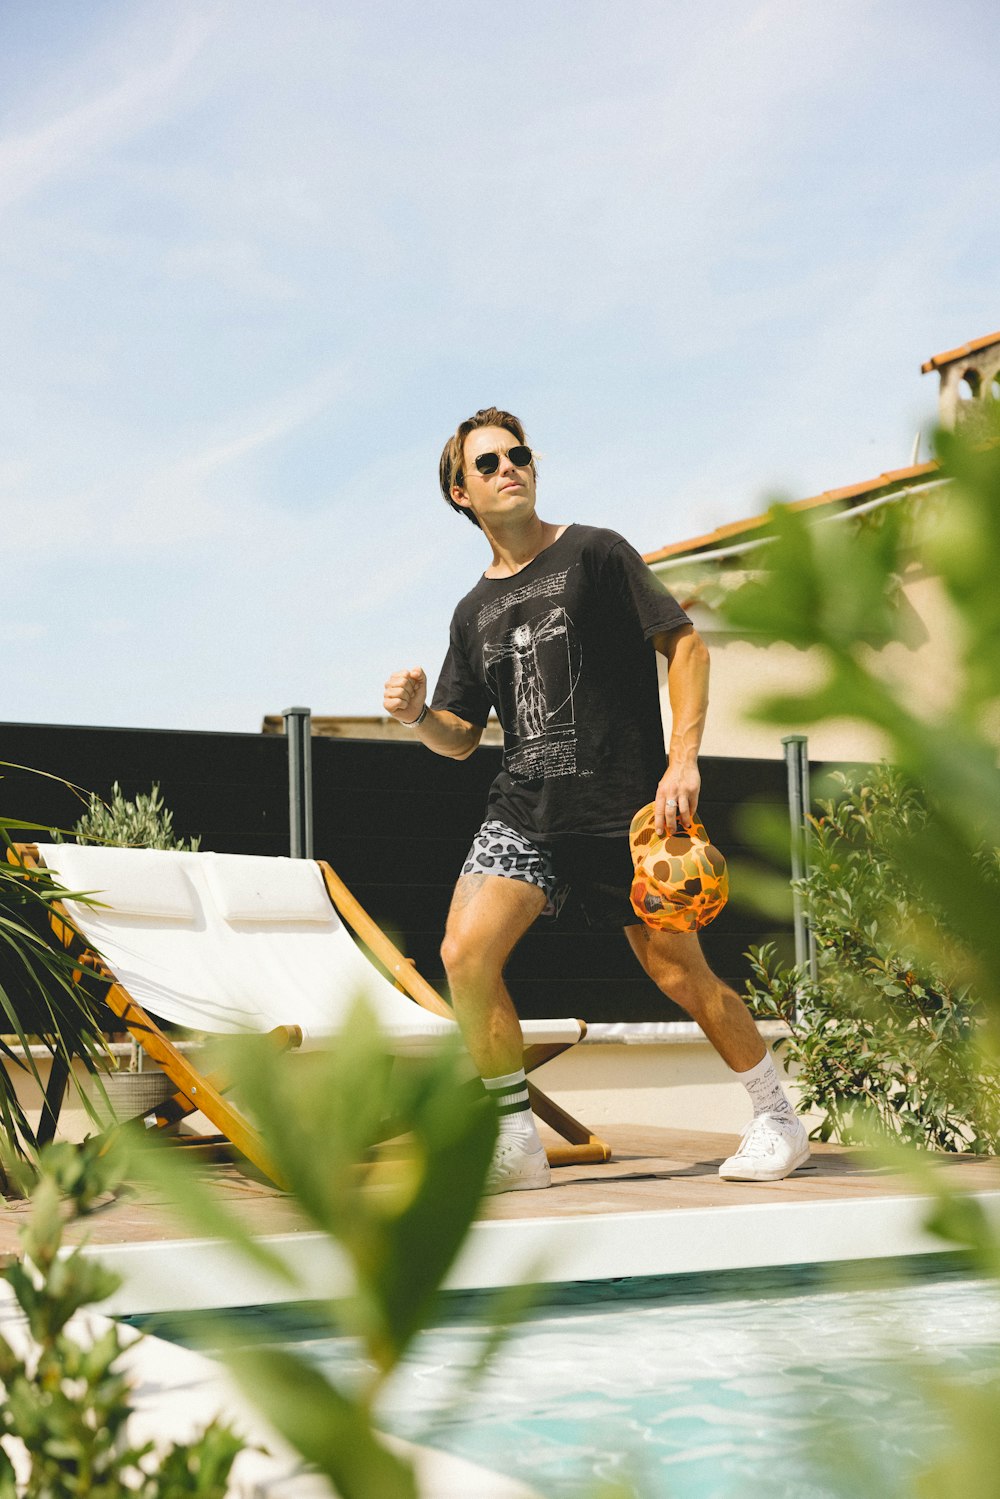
324,1115
399,1216
332,1431
834,589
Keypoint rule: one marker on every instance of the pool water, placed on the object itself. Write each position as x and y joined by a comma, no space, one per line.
790,1384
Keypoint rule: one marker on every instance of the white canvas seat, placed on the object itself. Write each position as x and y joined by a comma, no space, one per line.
228,943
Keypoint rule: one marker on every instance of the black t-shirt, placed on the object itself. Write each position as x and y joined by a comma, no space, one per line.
562,653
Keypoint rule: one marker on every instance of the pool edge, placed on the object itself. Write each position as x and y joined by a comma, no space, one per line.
201,1274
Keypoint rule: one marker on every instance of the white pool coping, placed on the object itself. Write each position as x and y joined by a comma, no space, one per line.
176,1393
202,1274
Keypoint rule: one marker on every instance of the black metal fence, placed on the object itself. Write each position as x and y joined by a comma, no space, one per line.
395,821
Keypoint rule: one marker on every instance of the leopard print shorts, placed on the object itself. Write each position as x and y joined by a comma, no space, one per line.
498,849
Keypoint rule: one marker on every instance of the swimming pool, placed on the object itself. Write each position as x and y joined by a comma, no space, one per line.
794,1384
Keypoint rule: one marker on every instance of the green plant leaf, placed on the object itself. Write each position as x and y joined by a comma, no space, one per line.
323,1116
455,1131
193,1197
331,1431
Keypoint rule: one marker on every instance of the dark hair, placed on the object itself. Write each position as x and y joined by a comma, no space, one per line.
450,470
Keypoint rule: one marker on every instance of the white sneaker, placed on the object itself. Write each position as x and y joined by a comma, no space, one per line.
517,1166
772,1146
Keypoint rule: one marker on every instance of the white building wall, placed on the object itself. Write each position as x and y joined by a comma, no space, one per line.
745,671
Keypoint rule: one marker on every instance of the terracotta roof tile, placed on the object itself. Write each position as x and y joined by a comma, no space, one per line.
937,360
869,488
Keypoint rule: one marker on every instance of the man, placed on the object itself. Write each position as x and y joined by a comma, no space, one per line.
558,636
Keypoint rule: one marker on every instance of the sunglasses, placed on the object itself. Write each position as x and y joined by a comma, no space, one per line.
488,463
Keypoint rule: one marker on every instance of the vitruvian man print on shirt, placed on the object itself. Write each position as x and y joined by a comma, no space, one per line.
534,667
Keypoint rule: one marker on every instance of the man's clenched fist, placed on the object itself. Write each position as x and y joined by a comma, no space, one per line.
405,694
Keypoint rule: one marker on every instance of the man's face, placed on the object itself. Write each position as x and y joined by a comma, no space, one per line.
508,493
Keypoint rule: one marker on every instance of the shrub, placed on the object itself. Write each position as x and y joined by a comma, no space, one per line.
143,823
66,1407
885,1039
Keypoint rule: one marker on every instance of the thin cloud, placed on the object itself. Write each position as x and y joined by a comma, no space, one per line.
235,265
184,491
32,160
177,502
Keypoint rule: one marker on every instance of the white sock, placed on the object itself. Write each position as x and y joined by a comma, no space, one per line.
766,1092
514,1116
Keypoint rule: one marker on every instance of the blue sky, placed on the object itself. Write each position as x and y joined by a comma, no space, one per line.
257,260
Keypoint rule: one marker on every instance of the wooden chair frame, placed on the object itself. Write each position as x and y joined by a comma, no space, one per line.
205,1092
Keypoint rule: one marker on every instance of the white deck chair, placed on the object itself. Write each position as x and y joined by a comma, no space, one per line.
232,943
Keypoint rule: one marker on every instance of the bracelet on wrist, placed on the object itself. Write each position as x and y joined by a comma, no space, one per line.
411,723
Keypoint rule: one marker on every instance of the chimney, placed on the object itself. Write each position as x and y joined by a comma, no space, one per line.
970,376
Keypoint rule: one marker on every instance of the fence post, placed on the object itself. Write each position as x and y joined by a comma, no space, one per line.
799,804
298,731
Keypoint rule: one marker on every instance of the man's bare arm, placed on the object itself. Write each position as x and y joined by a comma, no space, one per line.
443,732
687,683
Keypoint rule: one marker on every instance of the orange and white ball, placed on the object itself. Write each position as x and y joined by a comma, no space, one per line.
681,882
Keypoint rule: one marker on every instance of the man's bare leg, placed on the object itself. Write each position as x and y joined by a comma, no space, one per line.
676,964
488,917
775,1142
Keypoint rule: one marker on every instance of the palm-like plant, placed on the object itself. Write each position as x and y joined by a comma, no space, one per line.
44,998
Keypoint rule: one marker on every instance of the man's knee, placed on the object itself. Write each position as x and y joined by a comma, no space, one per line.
677,968
488,917
466,959
455,953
